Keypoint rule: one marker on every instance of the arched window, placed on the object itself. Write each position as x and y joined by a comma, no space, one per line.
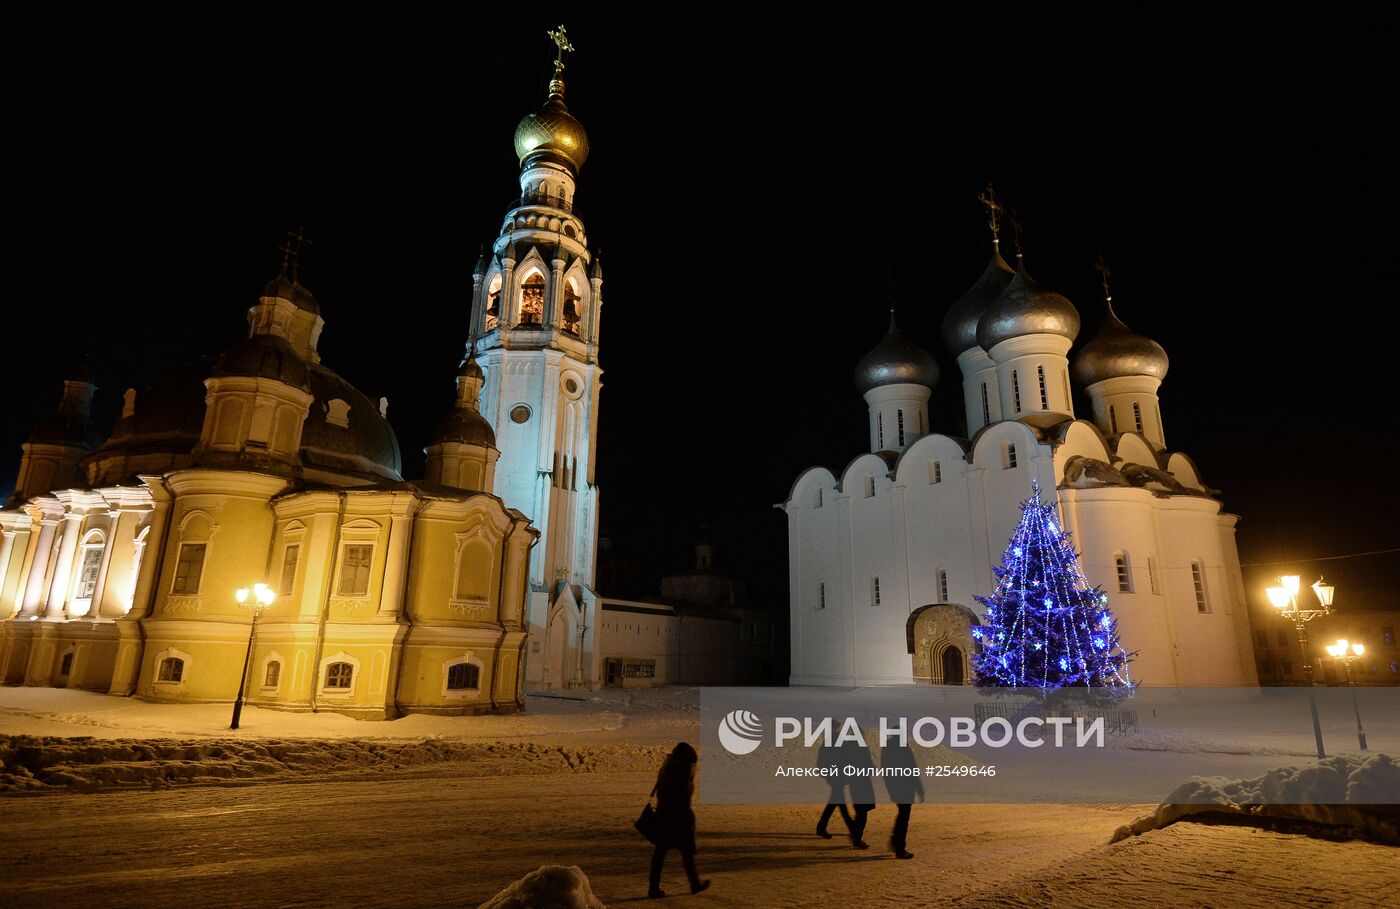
532,300
1010,462
869,487
875,591
1125,572
935,471
273,674
819,498
172,669
1137,416
986,406
339,675
571,315
463,676
1016,390
65,666
942,585
879,430
1198,581
821,595
1112,421
290,556
493,303
189,567
1044,392
899,414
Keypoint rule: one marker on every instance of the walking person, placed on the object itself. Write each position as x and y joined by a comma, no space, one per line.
675,786
857,755
836,798
902,789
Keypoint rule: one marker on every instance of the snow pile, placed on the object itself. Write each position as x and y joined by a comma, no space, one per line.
547,887
1342,797
37,763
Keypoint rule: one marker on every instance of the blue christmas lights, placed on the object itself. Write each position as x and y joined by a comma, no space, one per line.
1037,629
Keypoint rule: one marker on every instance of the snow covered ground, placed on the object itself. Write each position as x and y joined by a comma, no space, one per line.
449,811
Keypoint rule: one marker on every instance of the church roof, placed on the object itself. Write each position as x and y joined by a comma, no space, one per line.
896,360
960,324
1116,350
1026,308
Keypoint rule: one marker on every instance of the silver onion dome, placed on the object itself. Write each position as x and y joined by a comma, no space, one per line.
1026,308
1115,351
960,324
896,360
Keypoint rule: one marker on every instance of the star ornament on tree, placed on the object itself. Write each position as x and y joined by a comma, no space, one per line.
1062,636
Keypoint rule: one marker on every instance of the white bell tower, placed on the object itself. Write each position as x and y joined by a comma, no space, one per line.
536,300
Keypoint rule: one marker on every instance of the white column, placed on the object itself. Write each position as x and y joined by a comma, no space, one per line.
6,548
42,538
63,567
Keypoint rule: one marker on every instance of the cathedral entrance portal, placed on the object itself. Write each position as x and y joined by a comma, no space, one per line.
939,639
952,665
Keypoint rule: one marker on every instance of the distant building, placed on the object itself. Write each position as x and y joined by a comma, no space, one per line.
1280,658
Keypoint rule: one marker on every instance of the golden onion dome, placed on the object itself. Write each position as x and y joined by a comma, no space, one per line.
552,133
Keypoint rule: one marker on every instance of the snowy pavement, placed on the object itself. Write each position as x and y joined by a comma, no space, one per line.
449,810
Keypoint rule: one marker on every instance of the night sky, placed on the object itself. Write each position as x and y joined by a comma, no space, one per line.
751,184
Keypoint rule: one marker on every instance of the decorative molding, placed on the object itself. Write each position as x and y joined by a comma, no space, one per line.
182,605
350,604
470,608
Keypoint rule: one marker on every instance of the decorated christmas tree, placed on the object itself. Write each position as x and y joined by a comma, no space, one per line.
1045,626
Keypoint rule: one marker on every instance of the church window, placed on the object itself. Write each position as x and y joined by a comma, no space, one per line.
821,595
290,556
1198,581
1112,421
935,472
87,572
1069,399
571,316
1152,575
339,675
869,487
880,430
172,669
493,303
1044,392
354,569
986,406
819,497
273,674
463,676
1010,462
520,413
1016,390
1125,572
875,591
942,585
65,666
1137,416
900,415
532,300
189,566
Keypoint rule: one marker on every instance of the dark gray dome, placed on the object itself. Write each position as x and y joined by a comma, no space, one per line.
465,426
960,324
1116,350
896,360
264,357
369,437
72,430
1026,308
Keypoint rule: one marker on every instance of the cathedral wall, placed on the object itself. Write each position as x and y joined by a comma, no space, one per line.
823,630
1106,523
1207,647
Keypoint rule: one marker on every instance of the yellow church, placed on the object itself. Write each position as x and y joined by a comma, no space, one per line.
127,556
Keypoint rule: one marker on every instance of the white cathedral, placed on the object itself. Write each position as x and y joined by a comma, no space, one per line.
885,558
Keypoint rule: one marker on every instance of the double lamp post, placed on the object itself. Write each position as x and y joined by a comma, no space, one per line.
262,597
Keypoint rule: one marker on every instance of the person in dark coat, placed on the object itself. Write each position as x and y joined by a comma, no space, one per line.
675,786
828,756
857,755
902,790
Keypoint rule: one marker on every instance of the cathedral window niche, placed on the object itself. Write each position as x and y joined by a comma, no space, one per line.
89,566
189,567
1044,392
571,317
879,430
875,591
354,569
272,676
65,666
463,677
869,487
900,415
172,669
942,585
935,472
1112,421
1010,462
821,595
290,556
1016,390
1137,416
986,406
532,300
493,303
339,676
1198,582
1125,572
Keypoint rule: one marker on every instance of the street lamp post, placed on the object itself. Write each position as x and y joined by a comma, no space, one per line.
1285,599
262,598
1346,652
